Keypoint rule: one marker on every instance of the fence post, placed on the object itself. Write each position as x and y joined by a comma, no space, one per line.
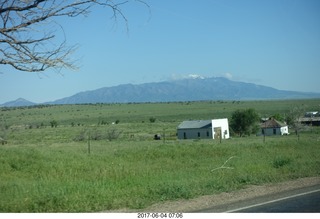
89,143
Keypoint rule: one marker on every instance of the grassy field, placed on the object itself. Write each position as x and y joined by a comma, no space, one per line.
45,169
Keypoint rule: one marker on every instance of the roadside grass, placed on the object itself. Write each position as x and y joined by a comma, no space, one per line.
45,169
63,177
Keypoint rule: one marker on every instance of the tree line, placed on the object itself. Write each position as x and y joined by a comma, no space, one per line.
247,121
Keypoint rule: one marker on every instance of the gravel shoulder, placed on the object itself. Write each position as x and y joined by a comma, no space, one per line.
209,201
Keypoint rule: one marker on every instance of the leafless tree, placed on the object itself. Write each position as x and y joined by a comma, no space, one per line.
293,119
27,31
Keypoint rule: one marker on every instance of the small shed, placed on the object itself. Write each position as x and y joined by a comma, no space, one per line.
204,129
273,127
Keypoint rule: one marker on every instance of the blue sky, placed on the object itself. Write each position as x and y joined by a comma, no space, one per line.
268,42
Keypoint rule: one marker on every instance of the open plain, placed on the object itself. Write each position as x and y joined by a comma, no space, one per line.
102,157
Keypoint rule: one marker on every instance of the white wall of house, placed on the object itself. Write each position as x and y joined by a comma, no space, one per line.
284,130
224,125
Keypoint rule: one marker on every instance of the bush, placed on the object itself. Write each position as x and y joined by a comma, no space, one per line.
113,134
102,122
96,135
53,123
82,136
152,119
280,162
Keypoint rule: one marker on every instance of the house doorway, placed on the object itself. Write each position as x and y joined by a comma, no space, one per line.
217,132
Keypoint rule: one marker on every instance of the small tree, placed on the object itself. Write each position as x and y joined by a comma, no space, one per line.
53,124
245,122
278,117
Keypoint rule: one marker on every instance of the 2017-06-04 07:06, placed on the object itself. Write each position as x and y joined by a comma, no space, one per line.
160,215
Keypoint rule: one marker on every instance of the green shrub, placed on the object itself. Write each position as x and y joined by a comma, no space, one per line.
281,161
82,136
43,170
152,119
53,123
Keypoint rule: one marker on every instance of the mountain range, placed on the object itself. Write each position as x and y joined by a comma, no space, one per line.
188,89
18,102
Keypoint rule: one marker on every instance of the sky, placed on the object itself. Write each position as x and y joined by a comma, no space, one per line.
275,43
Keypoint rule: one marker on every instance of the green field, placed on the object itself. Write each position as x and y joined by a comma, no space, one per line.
57,169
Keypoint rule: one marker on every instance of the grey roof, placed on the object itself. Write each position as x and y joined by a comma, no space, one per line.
194,124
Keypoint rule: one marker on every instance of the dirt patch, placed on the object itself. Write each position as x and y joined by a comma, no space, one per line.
225,197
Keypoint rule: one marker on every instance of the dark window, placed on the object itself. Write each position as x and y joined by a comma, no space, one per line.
207,133
184,135
274,131
199,134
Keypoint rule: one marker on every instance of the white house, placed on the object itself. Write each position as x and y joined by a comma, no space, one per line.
273,127
204,129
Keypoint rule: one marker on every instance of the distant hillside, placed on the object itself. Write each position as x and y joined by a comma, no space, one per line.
195,88
17,103
191,89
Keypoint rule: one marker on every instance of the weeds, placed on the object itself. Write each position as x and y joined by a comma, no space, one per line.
281,161
123,174
49,170
224,165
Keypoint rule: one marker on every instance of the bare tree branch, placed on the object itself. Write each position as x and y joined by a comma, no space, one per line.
27,31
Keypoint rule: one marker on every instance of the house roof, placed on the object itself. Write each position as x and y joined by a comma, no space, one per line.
195,124
272,123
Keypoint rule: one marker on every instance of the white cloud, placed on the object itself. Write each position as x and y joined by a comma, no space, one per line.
186,76
228,75
195,76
